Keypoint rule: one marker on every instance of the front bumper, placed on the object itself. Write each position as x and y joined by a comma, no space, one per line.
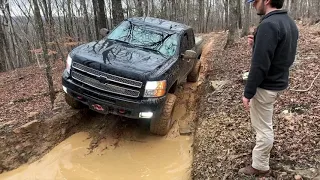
111,103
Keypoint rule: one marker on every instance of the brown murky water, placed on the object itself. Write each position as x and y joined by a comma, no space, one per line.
148,158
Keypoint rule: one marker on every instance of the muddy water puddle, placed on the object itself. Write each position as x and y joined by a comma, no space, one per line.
150,157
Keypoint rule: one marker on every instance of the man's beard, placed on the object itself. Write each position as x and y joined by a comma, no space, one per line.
262,11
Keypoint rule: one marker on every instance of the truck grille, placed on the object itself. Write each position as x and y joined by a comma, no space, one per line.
104,87
109,77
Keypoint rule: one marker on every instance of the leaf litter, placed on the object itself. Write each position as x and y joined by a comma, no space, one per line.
224,138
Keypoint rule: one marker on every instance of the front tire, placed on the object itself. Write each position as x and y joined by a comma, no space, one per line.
72,102
162,125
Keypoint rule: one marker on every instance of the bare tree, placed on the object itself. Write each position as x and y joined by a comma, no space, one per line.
201,16
95,15
2,52
245,28
102,14
232,26
42,38
239,9
86,20
12,34
139,8
117,12
226,12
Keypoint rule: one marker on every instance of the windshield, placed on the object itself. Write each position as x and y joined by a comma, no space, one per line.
140,35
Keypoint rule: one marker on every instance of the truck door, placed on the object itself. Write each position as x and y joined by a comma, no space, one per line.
186,64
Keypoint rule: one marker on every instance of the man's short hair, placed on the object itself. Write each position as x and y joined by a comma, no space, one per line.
277,3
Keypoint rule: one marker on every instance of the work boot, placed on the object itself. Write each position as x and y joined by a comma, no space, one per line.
250,171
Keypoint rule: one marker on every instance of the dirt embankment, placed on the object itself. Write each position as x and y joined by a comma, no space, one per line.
30,141
224,139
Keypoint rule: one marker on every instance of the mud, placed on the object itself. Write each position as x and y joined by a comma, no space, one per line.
107,145
148,157
30,141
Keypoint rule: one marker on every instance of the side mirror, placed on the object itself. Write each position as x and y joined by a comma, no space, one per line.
104,32
190,54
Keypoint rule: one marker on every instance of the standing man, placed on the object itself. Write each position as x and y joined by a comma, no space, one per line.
274,50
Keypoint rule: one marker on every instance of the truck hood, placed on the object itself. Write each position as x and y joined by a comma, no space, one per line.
119,58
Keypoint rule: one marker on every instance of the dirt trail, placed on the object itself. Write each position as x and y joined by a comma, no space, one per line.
106,141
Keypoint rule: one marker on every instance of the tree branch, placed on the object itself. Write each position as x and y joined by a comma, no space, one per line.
305,90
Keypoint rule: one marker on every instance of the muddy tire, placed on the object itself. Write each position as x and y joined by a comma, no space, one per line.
162,125
72,102
194,74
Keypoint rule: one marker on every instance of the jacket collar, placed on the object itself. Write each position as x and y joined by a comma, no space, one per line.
273,13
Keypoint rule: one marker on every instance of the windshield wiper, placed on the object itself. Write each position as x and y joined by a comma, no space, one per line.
161,41
117,40
154,50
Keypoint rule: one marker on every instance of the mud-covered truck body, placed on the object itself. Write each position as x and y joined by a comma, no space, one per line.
134,70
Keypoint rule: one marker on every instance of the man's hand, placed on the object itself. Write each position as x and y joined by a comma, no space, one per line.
250,40
246,103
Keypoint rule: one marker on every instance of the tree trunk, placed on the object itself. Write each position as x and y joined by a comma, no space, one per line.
2,51
6,43
240,13
65,21
12,36
208,14
146,5
152,8
201,16
59,20
139,8
70,18
117,12
163,9
102,15
86,19
95,14
51,22
233,23
226,13
42,38
294,9
245,28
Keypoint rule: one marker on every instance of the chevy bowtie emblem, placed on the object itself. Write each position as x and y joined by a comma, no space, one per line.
102,79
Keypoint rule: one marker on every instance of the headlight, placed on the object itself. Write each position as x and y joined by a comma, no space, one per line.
155,88
68,66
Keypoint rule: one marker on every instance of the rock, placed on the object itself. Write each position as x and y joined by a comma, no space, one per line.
57,109
216,85
317,178
9,123
185,130
297,177
285,112
18,147
288,117
32,115
59,101
28,127
63,131
307,173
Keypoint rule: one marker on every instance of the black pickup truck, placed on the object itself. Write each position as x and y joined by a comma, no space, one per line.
134,70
